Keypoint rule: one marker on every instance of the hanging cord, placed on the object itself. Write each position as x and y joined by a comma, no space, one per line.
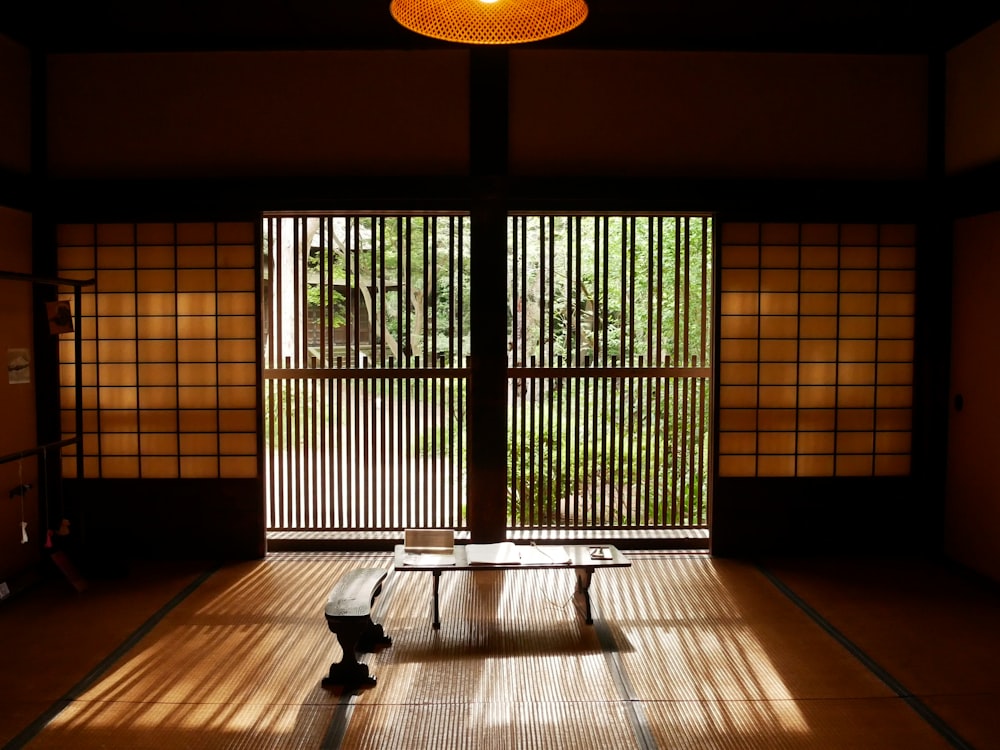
21,491
44,479
45,486
556,601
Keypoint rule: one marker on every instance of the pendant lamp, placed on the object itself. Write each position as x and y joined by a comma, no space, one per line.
489,21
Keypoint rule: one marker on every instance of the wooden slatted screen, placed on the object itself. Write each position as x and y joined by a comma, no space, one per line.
365,340
609,398
366,335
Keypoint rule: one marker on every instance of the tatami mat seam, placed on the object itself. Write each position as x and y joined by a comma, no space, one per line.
336,730
633,707
33,729
924,711
345,709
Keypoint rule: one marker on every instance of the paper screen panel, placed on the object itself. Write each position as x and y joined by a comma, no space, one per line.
816,349
169,348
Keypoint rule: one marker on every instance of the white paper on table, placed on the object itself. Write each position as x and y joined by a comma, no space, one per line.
544,554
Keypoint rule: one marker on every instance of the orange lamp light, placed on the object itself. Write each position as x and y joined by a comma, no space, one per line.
495,22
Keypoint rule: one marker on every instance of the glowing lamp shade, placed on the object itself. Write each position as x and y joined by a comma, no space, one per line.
489,21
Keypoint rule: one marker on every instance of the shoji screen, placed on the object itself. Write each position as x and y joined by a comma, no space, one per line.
816,349
169,350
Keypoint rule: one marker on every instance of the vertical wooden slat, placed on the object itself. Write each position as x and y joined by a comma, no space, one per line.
403,280
684,464
531,448
435,409
513,472
601,472
326,473
670,453
605,297
460,283
431,267
455,454
552,304
541,302
295,452
559,491
612,463
448,394
514,253
337,444
454,360
522,313
436,392
628,291
363,465
350,352
393,494
658,469
279,358
646,385
426,358
546,491
351,436
325,347
656,359
698,435
274,517
703,415
593,351
378,336
327,292
406,452
576,310
685,290
402,343
418,439
310,457
679,356
298,433
684,295
587,477
579,446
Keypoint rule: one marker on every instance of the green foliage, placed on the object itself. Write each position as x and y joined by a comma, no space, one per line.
604,454
605,288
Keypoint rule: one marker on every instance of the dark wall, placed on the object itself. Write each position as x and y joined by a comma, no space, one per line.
820,515
210,519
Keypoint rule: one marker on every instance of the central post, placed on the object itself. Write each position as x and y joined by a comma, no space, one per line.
487,417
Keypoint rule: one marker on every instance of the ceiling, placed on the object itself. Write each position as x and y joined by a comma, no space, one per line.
860,26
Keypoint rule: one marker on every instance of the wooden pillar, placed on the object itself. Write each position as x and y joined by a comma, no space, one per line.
487,485
932,335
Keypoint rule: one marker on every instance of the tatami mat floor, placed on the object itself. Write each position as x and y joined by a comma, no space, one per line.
687,651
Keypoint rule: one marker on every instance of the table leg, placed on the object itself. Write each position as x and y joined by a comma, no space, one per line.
583,578
437,616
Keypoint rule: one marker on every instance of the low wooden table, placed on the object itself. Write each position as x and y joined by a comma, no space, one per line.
580,561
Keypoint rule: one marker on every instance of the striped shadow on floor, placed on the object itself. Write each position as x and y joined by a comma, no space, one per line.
687,651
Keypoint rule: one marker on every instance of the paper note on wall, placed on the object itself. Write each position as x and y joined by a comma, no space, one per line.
18,366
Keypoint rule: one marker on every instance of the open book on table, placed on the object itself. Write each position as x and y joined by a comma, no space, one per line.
508,553
498,553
